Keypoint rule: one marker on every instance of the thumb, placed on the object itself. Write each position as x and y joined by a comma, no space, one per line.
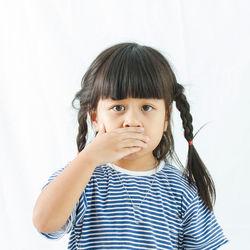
102,129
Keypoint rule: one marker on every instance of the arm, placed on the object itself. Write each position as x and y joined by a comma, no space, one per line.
56,202
201,228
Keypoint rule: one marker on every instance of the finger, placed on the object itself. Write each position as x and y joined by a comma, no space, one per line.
138,136
130,129
132,150
133,143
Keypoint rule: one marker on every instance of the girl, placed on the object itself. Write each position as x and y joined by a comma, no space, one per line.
121,192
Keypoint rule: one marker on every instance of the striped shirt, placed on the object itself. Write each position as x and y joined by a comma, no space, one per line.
170,216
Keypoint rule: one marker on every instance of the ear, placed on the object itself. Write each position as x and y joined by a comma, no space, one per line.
165,125
166,120
94,121
170,108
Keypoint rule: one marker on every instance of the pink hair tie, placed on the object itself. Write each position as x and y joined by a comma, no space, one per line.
190,142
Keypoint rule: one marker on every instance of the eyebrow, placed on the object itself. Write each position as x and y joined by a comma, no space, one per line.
148,100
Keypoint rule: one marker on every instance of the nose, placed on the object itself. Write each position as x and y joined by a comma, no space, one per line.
131,119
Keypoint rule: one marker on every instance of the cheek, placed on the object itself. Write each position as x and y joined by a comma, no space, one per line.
108,124
155,140
155,136
112,121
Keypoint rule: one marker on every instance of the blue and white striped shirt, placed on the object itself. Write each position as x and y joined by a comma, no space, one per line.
172,215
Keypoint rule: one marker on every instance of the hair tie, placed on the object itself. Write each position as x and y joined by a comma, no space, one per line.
190,142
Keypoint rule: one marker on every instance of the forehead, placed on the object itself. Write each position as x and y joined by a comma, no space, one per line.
128,100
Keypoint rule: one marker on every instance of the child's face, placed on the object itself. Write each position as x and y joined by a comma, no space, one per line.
147,113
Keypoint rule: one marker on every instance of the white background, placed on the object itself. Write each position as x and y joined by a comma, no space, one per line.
46,47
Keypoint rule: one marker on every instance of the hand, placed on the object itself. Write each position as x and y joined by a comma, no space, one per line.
116,144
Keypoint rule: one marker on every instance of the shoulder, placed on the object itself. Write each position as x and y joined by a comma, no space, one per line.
179,185
177,178
55,174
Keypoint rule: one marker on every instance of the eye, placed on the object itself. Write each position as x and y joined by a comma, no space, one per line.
147,106
120,107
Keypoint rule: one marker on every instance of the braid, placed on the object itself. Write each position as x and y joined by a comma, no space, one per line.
81,138
195,170
82,129
184,108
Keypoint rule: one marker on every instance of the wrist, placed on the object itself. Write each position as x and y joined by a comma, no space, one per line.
87,158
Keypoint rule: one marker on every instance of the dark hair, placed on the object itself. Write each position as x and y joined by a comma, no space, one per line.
132,70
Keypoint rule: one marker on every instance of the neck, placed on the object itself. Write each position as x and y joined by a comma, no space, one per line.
140,164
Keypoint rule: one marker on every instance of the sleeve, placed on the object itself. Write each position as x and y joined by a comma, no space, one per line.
200,227
76,215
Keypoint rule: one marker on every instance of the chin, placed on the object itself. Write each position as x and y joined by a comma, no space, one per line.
129,158
132,155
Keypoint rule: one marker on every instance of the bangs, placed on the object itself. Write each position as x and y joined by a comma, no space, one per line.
131,71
